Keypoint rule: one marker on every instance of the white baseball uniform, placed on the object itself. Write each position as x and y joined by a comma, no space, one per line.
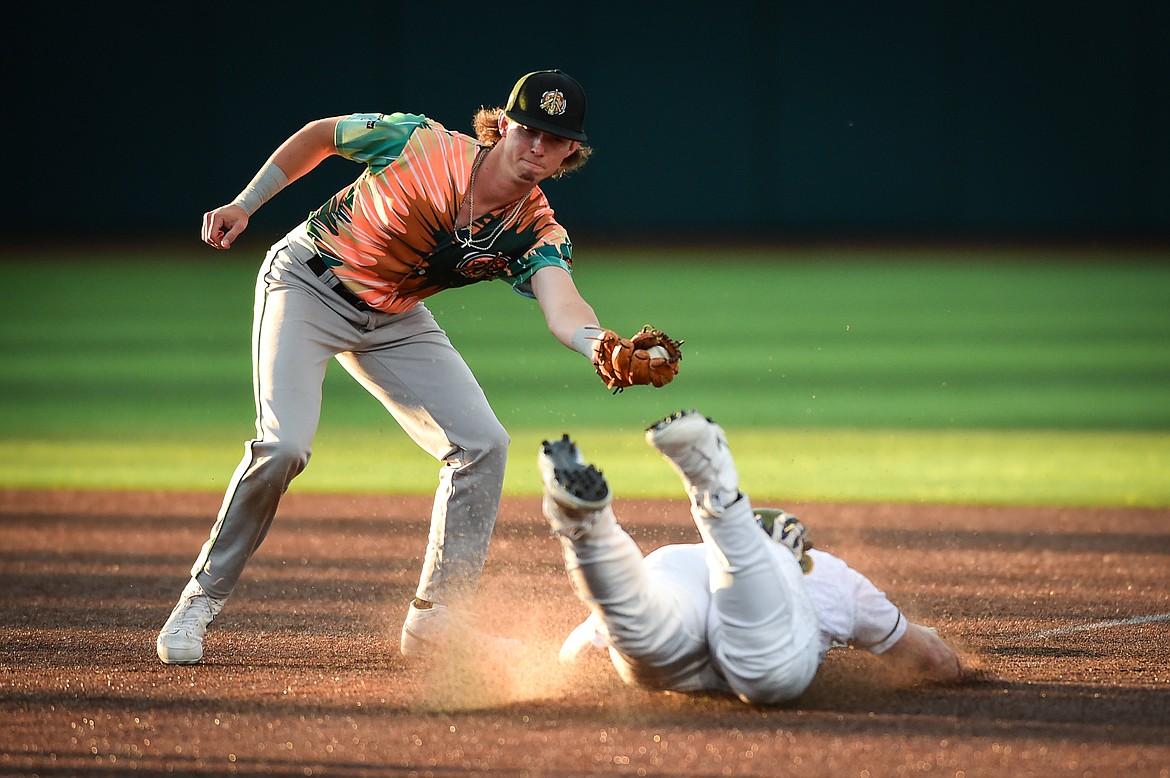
731,614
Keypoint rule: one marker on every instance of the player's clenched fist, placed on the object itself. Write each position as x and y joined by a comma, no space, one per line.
221,226
649,357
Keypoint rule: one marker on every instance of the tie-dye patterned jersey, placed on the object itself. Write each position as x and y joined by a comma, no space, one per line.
391,233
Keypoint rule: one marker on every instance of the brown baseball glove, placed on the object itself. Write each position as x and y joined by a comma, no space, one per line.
649,357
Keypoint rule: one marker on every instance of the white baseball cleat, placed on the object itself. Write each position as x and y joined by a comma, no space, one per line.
575,493
697,449
435,629
181,640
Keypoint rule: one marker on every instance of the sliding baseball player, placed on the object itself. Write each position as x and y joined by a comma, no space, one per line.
752,610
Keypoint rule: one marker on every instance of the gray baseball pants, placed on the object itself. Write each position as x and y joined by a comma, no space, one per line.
405,361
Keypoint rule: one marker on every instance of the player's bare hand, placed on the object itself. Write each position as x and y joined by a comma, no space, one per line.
223,225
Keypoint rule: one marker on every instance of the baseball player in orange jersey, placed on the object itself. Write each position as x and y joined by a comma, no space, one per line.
749,611
433,209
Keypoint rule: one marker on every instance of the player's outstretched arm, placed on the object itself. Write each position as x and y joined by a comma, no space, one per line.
565,310
649,357
923,654
301,152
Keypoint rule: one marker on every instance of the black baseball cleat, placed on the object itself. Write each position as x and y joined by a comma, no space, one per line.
574,492
569,479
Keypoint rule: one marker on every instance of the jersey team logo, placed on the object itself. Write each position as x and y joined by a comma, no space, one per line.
477,267
553,102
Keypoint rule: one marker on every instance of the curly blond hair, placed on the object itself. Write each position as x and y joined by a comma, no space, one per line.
487,129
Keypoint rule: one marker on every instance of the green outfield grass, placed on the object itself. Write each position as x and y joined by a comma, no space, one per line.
937,376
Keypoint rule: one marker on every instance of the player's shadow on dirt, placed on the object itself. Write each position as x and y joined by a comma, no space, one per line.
1025,540
854,693
1046,651
989,707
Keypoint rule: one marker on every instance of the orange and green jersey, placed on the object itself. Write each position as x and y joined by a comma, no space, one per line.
390,235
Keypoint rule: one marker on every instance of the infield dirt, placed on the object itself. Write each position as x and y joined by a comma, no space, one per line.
1064,614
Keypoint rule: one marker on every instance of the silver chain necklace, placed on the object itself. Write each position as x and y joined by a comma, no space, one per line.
485,243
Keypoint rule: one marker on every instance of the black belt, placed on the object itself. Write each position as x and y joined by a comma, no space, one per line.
322,271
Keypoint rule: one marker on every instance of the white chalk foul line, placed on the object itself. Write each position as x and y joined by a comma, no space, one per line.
1051,633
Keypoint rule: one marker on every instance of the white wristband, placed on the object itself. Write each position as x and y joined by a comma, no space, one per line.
262,188
585,338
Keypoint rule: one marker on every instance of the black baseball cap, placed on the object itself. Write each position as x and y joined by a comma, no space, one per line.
551,101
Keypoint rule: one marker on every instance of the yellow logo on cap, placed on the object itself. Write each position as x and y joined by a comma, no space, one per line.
553,102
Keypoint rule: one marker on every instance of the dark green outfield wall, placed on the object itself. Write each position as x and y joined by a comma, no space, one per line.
766,119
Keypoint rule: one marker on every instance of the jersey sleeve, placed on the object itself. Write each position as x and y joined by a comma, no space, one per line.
375,139
852,611
544,255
